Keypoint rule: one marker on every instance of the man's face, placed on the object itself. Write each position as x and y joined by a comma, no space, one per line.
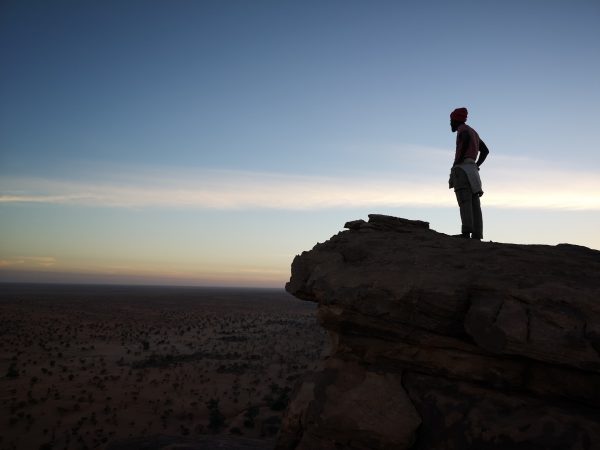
454,125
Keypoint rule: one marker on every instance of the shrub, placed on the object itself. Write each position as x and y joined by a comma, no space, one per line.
270,426
216,420
12,371
280,398
250,414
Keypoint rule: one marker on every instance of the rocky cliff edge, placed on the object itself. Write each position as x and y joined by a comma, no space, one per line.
446,343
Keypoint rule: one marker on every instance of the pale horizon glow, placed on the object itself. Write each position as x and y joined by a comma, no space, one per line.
507,185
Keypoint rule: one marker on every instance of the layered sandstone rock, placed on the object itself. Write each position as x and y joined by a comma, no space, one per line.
446,343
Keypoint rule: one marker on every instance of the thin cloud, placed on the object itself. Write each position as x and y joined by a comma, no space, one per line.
220,190
28,262
508,182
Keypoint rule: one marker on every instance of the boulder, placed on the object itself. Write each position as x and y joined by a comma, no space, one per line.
439,342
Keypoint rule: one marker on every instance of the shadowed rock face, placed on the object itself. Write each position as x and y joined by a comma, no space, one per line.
446,343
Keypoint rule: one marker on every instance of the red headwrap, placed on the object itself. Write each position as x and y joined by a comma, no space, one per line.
459,115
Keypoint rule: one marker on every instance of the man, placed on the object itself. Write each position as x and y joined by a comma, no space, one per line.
464,176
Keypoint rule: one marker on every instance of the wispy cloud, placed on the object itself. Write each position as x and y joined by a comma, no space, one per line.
29,262
220,190
508,182
521,182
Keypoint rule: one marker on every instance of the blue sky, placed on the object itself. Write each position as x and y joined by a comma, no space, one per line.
209,142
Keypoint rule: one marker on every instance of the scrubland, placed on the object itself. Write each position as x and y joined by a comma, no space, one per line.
82,367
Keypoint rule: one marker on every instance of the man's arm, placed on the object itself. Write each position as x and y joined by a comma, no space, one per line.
460,154
483,153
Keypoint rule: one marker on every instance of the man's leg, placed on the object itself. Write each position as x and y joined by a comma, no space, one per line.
477,217
462,189
464,199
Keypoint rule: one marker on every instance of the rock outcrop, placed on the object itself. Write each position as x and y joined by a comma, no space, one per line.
446,343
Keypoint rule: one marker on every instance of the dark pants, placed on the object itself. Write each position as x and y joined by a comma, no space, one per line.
470,206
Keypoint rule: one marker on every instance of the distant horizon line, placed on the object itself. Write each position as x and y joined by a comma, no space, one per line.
145,285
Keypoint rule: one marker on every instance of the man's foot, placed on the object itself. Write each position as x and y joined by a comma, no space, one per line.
462,235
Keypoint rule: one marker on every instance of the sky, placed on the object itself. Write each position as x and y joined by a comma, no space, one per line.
209,142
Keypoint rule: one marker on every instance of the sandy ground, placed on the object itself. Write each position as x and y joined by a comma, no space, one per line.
84,367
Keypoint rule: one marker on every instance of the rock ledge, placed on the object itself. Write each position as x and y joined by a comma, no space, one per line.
439,342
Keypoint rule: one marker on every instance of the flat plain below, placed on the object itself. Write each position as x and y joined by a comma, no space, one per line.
85,367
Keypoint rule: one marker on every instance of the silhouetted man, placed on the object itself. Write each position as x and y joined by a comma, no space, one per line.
464,176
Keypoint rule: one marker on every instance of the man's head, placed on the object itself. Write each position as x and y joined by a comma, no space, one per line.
457,118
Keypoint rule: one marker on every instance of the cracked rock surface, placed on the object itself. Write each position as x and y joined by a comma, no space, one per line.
446,343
